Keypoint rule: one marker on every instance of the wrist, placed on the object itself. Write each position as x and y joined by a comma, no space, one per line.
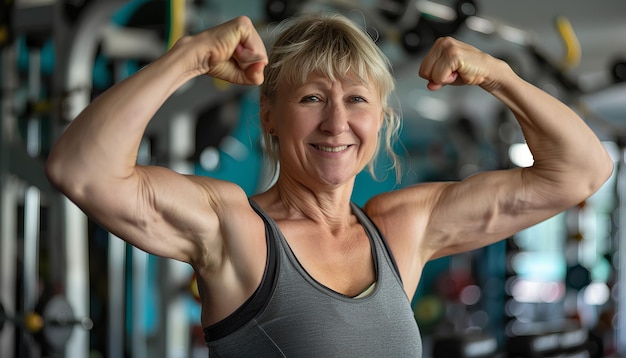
499,77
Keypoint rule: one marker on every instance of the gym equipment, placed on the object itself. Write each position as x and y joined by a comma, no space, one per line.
571,58
21,171
76,45
621,269
577,277
569,342
6,23
393,10
278,10
618,70
465,346
431,25
52,325
419,38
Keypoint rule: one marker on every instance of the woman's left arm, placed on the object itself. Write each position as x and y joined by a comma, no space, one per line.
570,163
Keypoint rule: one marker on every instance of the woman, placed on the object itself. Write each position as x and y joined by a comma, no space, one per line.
298,270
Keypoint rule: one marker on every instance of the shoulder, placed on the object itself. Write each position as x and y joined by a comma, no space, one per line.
232,205
235,223
407,202
224,197
403,215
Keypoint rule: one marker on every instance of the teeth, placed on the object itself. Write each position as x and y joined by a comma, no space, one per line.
331,149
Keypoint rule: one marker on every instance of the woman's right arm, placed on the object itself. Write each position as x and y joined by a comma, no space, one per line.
158,210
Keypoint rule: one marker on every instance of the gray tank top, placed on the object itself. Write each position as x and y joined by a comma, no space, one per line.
293,315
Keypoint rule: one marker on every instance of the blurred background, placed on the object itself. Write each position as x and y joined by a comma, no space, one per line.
70,289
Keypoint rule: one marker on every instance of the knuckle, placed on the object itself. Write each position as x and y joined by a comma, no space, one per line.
244,21
446,41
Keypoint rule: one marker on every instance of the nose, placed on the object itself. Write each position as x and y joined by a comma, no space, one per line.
335,119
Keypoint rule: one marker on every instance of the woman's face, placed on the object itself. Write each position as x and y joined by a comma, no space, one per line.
327,130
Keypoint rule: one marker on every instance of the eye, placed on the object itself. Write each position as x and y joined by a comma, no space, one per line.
357,99
310,98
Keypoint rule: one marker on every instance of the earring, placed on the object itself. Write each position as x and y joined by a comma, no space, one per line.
271,131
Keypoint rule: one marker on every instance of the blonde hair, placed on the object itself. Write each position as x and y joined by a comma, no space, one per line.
331,45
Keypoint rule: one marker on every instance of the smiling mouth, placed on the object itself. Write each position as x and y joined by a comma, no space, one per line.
331,149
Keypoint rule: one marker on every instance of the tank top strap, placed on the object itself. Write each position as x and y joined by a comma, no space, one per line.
373,231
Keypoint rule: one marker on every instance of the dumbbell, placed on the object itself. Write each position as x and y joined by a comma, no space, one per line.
53,324
618,70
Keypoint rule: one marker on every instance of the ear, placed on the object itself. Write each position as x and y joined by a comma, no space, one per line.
264,113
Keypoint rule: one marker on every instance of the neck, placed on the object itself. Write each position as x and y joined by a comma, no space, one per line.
288,199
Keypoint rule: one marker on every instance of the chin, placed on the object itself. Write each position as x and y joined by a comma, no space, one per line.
338,179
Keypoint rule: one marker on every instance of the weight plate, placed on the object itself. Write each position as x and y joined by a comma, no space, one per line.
59,320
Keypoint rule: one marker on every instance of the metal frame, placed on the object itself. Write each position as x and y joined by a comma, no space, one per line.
620,331
8,200
20,174
75,55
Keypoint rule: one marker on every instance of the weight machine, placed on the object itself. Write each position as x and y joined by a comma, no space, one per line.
44,272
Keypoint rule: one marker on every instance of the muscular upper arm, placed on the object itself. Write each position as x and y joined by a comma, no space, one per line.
484,209
163,212
433,220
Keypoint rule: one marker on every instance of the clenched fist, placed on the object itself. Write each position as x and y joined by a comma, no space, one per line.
232,51
452,62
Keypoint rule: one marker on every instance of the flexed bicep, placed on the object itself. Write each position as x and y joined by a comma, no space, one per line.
488,207
570,162
93,162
